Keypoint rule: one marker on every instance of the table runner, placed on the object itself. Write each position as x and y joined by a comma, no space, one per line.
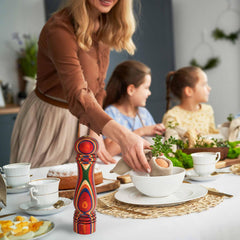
107,204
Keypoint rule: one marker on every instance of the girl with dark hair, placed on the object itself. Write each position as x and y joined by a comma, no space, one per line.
190,86
127,93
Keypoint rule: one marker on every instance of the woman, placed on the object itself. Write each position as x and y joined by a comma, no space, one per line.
73,58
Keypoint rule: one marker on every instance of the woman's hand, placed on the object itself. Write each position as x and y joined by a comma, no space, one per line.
132,152
102,153
132,145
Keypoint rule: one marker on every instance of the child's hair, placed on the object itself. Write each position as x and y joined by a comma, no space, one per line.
176,81
126,73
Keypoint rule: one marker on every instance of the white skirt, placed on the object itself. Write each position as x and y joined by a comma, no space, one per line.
44,134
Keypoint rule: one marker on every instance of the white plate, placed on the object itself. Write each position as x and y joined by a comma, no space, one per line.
192,175
50,229
28,208
18,189
185,193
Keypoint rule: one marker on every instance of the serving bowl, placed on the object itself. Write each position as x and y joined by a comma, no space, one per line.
158,186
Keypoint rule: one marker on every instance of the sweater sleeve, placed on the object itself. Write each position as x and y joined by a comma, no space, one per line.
168,117
63,51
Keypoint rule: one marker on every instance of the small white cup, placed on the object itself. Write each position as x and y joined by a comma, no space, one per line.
16,174
44,192
204,163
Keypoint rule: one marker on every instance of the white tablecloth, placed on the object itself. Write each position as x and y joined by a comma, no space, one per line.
219,223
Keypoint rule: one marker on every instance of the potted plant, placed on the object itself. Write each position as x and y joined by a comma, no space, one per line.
27,58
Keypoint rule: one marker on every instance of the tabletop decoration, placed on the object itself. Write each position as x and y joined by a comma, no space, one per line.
85,193
148,212
235,169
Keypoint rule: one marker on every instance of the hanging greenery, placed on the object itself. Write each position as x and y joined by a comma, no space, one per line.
211,63
219,34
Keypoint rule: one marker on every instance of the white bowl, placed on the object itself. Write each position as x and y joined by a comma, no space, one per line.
159,186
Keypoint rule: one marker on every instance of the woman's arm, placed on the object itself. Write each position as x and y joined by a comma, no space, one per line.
131,145
113,148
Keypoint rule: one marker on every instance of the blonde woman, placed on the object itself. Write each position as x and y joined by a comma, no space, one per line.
73,58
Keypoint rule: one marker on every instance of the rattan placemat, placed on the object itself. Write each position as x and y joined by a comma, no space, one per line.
107,204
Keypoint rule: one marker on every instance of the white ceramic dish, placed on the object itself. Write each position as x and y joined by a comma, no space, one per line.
18,189
158,186
50,229
185,193
192,175
28,208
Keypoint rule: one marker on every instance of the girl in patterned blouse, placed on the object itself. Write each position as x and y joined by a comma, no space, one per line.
190,86
127,92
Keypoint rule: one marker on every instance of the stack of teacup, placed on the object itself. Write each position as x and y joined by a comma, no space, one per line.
43,192
16,174
204,163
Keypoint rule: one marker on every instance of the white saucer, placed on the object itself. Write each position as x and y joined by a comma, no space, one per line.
33,210
185,193
192,175
18,189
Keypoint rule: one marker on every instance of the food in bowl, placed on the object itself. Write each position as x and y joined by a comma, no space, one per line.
160,166
158,186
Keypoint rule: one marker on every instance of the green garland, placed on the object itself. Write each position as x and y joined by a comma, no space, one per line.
219,34
211,63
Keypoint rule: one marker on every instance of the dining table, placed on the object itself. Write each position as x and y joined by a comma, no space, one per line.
219,222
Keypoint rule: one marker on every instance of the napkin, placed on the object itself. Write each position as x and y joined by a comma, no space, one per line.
122,168
156,170
234,129
3,191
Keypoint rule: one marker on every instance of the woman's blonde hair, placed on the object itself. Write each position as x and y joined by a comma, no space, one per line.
116,27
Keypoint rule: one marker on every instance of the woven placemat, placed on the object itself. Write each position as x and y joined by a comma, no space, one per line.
107,204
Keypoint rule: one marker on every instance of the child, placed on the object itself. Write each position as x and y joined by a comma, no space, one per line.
127,93
190,86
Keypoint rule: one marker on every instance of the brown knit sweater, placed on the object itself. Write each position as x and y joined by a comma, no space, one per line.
70,74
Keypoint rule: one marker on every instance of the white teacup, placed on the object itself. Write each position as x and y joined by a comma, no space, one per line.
44,192
16,174
204,163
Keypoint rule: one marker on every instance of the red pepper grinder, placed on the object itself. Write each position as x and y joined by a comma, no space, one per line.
84,221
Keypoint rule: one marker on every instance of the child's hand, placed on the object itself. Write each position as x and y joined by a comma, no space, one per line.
159,129
154,129
151,130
